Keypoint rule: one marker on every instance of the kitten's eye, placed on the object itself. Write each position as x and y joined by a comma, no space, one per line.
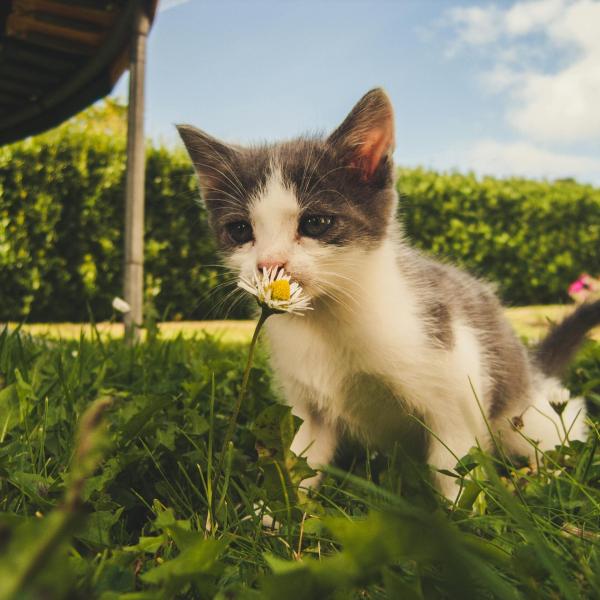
240,231
315,225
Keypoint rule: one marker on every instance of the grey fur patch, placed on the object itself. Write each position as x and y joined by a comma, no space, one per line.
326,185
473,302
326,175
559,347
439,324
229,176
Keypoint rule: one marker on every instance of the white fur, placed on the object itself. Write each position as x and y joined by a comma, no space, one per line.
542,426
274,214
315,359
274,220
362,358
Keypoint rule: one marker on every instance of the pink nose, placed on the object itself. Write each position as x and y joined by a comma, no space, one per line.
270,264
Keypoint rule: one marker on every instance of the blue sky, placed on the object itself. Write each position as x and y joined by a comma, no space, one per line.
505,88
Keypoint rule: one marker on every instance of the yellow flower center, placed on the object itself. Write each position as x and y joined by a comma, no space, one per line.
280,289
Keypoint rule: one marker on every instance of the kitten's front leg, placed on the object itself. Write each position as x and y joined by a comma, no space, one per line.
448,445
316,440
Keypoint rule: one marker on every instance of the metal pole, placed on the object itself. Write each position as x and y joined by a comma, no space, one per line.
133,283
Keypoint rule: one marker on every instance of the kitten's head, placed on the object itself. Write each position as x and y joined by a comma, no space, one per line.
312,206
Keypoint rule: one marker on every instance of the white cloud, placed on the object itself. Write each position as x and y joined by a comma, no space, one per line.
559,104
476,25
561,107
502,77
525,17
526,159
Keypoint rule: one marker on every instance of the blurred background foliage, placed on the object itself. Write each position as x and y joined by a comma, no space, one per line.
61,216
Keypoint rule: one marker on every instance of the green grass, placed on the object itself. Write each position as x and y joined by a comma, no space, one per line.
119,510
529,321
224,331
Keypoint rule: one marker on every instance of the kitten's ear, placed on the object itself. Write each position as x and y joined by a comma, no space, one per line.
366,137
212,159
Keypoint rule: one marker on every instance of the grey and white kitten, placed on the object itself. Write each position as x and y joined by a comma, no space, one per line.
392,332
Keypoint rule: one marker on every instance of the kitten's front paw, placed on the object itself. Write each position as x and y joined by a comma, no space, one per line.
267,519
312,483
447,486
266,515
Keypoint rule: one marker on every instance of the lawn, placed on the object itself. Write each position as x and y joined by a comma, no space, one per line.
529,321
135,498
224,331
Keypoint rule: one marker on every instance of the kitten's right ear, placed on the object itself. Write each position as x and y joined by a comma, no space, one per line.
212,159
365,139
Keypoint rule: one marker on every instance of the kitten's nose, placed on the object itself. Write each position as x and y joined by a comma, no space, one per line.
270,264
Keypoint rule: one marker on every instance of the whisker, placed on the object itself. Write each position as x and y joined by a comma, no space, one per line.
339,168
304,188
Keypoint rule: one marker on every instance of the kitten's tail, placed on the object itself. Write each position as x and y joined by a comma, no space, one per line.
557,349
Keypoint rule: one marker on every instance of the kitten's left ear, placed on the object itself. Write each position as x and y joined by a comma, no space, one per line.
366,137
214,160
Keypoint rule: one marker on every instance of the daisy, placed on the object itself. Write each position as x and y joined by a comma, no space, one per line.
274,290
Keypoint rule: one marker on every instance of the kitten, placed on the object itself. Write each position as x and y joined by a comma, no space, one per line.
392,331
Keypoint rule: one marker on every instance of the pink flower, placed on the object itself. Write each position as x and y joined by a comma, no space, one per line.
576,286
584,288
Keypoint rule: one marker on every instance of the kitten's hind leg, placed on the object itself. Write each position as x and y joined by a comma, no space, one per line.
550,418
447,447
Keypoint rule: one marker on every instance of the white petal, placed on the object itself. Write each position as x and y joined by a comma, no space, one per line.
247,287
260,285
121,305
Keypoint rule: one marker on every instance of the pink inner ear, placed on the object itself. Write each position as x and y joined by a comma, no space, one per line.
377,143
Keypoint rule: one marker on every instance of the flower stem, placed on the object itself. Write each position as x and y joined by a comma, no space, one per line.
236,409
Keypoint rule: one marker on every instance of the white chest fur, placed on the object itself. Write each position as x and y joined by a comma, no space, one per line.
364,364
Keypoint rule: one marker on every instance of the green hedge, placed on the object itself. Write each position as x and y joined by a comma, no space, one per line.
61,215
531,238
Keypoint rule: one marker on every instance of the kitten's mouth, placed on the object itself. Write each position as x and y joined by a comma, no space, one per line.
275,291
304,282
293,277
